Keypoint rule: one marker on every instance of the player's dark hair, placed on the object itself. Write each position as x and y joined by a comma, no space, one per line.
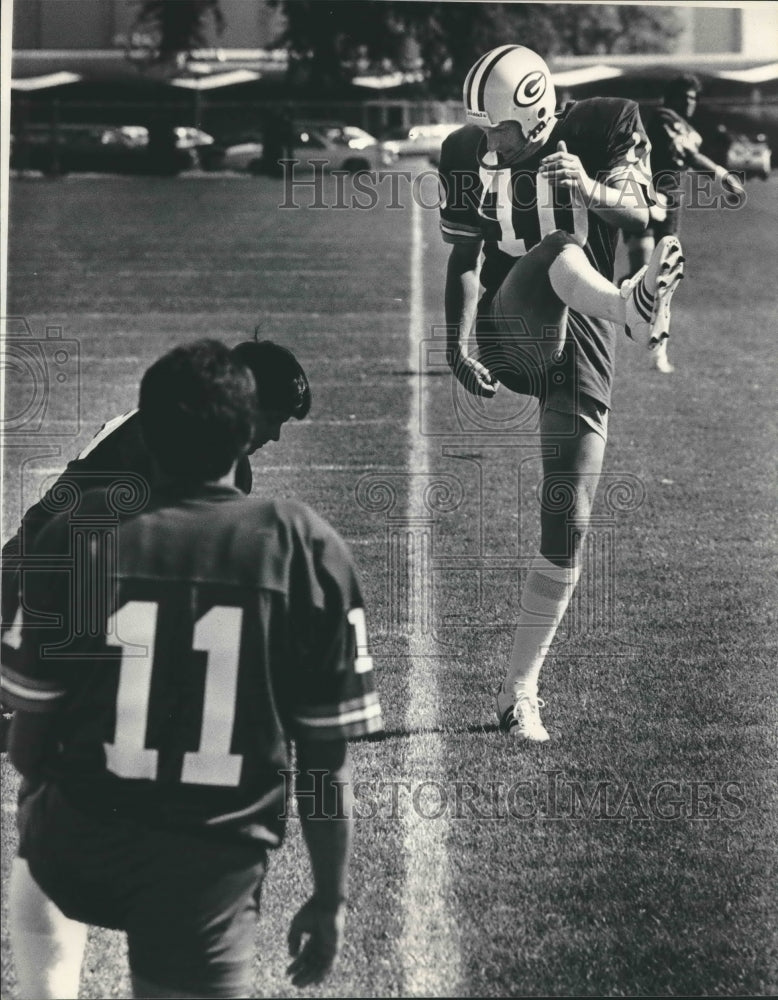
679,86
282,385
197,411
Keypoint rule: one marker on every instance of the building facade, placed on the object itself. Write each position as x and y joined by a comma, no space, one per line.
108,24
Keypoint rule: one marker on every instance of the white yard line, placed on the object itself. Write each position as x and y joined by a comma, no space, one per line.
429,944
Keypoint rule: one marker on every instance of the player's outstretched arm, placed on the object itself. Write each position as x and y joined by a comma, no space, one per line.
324,800
461,303
618,204
729,181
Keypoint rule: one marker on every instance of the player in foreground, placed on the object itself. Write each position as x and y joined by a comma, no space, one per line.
675,149
168,658
117,457
543,194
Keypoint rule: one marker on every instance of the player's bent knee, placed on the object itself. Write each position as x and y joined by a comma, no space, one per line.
527,323
554,243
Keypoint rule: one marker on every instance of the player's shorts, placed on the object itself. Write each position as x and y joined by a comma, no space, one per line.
534,345
583,408
188,905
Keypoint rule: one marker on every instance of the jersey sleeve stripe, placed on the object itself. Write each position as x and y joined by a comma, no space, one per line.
358,723
28,695
313,712
341,718
459,232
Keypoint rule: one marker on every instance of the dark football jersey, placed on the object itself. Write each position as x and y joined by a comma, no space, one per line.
675,145
183,648
510,207
116,458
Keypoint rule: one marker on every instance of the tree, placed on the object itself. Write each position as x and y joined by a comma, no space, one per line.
177,26
331,42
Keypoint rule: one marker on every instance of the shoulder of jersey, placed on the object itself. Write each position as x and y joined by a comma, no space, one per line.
95,506
298,516
593,110
111,442
463,142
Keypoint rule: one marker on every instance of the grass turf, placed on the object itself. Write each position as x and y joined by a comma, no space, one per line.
565,875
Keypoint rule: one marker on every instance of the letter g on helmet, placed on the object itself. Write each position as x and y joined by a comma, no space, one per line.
531,89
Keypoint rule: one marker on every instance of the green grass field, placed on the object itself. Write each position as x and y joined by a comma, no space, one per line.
636,853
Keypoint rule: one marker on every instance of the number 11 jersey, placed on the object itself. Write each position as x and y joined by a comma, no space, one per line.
183,648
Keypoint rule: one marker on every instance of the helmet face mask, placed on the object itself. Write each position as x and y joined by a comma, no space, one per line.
511,83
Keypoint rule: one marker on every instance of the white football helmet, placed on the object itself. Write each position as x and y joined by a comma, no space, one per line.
511,83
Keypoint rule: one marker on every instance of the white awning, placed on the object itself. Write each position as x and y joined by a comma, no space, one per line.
757,74
48,80
387,80
585,74
215,80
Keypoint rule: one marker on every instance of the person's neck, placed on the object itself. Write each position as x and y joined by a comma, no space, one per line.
228,479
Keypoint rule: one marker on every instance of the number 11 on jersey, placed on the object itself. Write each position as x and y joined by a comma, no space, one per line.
217,634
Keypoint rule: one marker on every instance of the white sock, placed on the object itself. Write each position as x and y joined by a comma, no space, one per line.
658,357
544,599
582,288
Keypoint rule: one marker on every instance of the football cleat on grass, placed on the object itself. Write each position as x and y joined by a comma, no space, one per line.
658,360
521,719
648,294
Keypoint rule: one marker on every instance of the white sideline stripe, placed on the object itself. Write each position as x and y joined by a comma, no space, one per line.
213,272
57,469
429,943
365,314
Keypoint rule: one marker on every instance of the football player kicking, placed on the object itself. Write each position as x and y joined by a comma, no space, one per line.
543,193
168,658
117,457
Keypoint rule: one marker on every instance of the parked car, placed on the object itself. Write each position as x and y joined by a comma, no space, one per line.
351,135
104,148
188,137
748,154
744,154
419,140
310,144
